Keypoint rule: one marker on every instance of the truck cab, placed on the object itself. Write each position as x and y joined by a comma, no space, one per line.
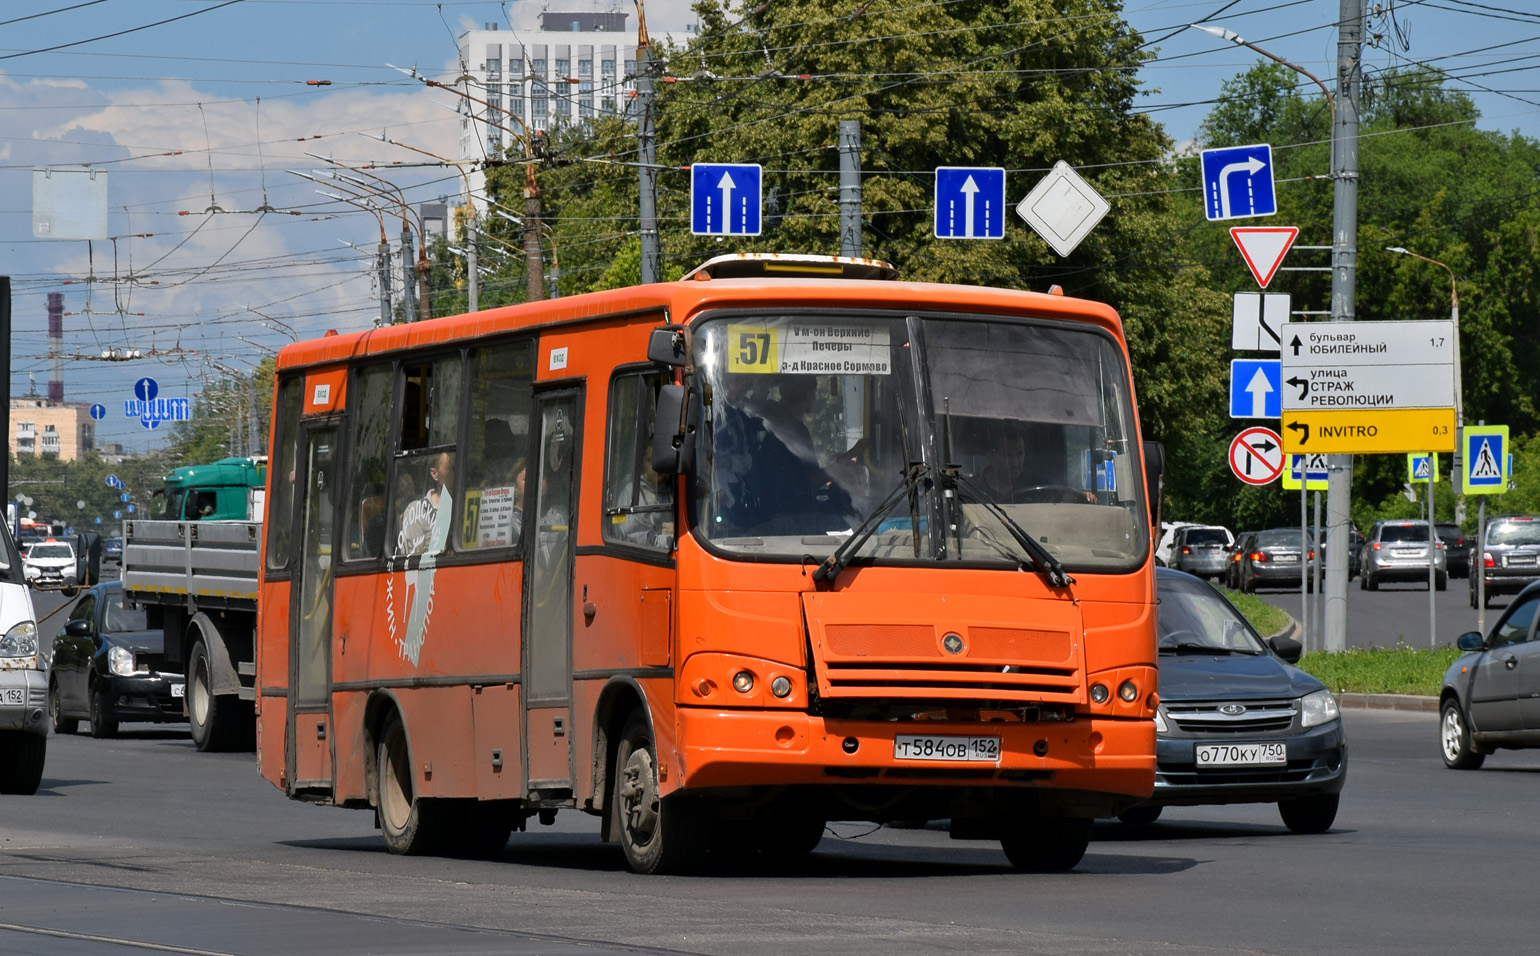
227,490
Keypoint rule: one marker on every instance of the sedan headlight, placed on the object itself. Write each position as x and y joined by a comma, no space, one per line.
19,641
1160,722
121,661
1318,708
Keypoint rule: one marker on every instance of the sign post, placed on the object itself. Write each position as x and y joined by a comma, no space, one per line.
1484,471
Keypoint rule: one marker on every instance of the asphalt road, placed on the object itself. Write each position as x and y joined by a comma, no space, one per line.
1397,614
142,844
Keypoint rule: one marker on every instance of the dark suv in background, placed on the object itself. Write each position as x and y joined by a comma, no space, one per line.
1456,548
1511,557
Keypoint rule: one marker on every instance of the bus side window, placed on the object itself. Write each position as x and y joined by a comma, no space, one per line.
638,502
424,468
370,434
280,504
500,379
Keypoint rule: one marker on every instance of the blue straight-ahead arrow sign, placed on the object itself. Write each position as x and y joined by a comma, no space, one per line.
726,199
970,202
1256,388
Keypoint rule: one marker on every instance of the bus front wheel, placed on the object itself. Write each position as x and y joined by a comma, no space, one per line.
1046,844
658,834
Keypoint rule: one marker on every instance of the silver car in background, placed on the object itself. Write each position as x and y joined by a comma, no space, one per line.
1401,551
1201,550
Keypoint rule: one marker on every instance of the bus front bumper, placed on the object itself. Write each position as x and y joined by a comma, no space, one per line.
721,748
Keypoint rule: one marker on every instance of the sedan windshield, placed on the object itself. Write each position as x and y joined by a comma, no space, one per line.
1514,533
40,551
1194,618
936,435
1404,533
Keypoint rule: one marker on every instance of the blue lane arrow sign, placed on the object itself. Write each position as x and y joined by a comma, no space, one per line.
726,199
970,202
98,411
1238,182
1256,388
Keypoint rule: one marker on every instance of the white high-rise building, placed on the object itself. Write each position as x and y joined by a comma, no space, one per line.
576,67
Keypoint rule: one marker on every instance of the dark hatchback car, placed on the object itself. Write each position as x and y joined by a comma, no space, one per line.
1272,559
1510,559
1490,697
107,667
1237,721
1456,548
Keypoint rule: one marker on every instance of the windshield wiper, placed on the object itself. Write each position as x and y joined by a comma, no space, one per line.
1193,647
836,562
1045,561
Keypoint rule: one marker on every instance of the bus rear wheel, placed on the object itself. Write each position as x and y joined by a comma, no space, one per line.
658,834
21,761
1046,844
412,826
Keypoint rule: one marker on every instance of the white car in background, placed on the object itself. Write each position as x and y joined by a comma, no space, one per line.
50,566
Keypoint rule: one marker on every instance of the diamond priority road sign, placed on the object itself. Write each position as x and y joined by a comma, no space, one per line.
1368,387
1063,208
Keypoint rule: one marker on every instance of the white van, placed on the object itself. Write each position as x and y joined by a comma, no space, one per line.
23,679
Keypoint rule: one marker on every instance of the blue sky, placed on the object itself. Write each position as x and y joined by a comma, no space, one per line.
198,108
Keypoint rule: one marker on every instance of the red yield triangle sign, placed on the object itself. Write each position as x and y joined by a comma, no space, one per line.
1263,248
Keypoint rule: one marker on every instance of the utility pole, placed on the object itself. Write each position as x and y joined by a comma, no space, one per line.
470,254
1344,265
850,187
652,255
408,288
534,265
384,267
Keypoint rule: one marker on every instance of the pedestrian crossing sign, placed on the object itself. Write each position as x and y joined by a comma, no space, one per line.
1486,456
1421,468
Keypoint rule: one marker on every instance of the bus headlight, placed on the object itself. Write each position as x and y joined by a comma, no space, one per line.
120,660
780,687
1099,693
1318,708
1128,691
743,682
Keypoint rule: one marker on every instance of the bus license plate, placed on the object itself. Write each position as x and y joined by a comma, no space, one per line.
1242,755
925,747
178,690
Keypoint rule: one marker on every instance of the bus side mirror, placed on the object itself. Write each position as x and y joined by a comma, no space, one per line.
1155,478
669,346
673,435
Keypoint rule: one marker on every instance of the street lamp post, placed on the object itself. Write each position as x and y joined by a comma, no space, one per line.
1459,427
1344,277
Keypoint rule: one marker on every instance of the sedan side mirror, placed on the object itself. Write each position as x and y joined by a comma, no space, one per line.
79,627
1470,641
1287,648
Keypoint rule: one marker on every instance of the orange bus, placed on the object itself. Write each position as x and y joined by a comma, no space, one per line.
716,561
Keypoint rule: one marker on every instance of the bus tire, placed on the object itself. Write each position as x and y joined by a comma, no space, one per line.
216,720
21,761
1046,844
411,826
658,834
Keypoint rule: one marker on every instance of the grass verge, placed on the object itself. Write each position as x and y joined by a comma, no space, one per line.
1398,670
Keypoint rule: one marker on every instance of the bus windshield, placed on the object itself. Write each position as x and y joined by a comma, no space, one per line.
946,437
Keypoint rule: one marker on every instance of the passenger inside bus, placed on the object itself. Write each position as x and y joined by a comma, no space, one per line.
421,531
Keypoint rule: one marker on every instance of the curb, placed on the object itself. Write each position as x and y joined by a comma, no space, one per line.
1408,702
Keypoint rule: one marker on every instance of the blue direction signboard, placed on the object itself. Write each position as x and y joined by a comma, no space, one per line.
1238,182
970,202
1485,459
150,409
113,481
725,199
98,411
1256,388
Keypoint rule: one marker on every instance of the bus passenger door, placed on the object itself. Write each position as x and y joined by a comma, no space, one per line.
548,601
310,616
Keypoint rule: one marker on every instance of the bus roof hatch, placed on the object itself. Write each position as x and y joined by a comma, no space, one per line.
754,265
